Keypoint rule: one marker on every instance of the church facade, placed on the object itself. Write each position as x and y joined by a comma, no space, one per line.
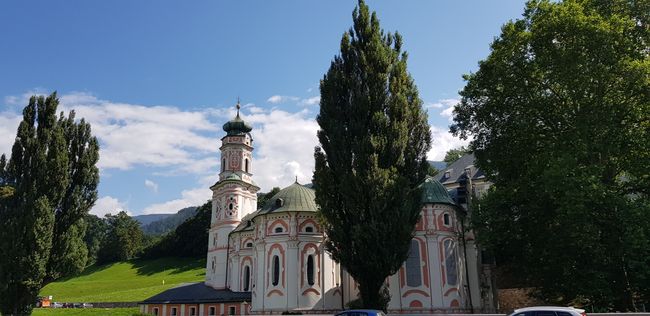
269,259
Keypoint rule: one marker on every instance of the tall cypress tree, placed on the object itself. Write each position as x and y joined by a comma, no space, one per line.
52,182
373,138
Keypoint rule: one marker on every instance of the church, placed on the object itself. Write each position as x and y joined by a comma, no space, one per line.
270,259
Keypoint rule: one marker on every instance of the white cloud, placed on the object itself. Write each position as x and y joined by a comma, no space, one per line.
284,147
275,99
151,185
8,127
449,105
133,135
442,141
108,205
192,197
309,101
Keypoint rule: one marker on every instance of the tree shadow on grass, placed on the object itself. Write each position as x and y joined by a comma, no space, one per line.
87,271
173,265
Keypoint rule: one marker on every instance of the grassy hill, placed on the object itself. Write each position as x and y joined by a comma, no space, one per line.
129,281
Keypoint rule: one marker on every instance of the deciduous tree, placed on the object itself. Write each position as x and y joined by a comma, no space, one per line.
373,138
559,115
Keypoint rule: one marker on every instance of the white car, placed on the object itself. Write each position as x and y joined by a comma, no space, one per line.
549,311
57,305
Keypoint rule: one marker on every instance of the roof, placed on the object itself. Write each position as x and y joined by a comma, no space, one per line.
435,193
295,197
237,126
454,172
196,293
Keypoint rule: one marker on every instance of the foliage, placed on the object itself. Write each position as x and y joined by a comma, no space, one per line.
169,223
123,239
559,115
95,233
262,198
454,154
189,239
49,184
374,137
128,281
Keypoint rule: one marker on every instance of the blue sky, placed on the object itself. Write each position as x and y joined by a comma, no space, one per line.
157,80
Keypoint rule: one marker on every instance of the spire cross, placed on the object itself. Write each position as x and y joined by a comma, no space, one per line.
238,106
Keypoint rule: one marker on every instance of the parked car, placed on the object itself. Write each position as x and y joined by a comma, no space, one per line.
87,305
549,311
57,305
361,312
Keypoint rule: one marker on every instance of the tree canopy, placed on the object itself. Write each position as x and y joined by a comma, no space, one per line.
559,117
48,186
454,154
373,138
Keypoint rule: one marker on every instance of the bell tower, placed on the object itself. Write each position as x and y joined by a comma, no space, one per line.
233,196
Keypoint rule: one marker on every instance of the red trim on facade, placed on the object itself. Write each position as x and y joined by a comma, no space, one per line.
310,290
270,228
415,303
450,290
454,303
309,221
316,264
409,292
278,292
269,257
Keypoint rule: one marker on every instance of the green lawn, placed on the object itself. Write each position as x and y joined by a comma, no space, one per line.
86,311
129,281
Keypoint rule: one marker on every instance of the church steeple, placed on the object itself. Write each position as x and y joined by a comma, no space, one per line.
233,196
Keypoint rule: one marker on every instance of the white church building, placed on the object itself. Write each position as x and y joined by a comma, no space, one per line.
270,259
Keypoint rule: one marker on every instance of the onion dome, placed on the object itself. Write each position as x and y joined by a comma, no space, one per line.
433,192
295,197
237,126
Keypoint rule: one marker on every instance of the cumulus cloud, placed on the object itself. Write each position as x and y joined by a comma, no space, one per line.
151,185
309,101
275,99
108,205
442,141
448,105
132,134
8,127
284,147
192,197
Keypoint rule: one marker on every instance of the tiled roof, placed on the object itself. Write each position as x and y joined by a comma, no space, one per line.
453,172
196,293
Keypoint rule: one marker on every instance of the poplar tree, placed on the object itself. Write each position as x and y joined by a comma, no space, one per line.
51,180
373,138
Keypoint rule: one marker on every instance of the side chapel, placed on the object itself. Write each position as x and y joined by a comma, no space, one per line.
270,258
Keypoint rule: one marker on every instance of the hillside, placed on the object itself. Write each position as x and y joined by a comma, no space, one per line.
129,281
169,223
150,218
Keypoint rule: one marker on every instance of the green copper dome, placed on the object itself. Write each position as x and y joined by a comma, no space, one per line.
237,126
292,198
435,193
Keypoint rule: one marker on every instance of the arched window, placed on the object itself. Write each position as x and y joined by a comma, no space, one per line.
249,245
450,262
446,219
247,278
278,230
213,265
276,270
413,269
310,270
309,229
223,165
246,165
